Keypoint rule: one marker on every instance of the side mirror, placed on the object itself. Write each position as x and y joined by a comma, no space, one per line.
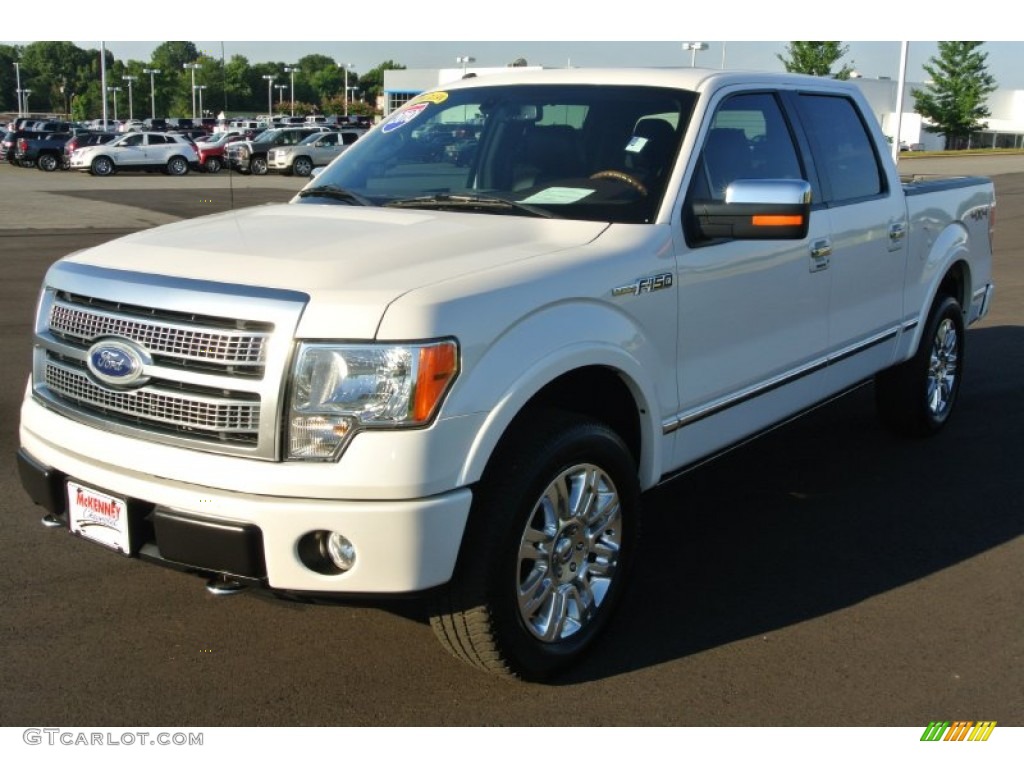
316,172
757,209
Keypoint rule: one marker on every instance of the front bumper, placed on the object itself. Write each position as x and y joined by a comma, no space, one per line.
401,546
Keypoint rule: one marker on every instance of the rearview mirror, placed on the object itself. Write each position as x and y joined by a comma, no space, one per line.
757,209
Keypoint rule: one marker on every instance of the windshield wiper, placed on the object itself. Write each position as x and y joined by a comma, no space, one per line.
335,193
486,203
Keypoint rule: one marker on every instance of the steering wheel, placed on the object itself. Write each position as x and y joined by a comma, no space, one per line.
625,178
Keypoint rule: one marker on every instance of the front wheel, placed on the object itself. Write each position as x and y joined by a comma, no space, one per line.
302,166
917,397
258,166
543,562
212,165
102,166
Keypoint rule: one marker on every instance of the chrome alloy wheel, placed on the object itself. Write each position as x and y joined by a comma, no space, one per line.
569,553
943,365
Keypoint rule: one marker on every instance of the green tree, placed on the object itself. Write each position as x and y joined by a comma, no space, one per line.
954,101
8,78
54,70
816,58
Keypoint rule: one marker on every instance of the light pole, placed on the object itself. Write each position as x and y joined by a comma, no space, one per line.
25,93
693,48
270,98
17,78
114,89
152,92
464,61
280,93
292,71
131,109
201,88
193,66
345,68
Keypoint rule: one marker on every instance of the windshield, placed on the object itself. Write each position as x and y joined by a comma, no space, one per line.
582,152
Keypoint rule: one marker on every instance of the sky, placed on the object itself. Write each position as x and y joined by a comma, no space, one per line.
544,32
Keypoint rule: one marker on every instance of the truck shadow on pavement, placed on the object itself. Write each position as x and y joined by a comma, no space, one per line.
820,515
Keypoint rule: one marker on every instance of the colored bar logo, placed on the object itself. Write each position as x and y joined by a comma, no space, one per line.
959,730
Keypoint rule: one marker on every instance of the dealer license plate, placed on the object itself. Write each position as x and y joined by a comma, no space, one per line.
99,517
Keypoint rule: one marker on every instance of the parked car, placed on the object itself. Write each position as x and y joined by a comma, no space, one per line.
211,151
251,156
314,151
85,140
168,152
10,143
45,152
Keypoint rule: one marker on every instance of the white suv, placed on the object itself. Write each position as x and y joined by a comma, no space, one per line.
167,152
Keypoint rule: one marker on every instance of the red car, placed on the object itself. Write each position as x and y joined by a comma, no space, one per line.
211,151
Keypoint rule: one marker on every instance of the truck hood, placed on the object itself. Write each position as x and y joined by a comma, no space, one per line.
351,261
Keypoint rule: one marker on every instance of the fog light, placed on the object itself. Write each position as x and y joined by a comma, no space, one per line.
341,551
327,552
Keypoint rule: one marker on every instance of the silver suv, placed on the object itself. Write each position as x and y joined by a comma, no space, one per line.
251,156
314,151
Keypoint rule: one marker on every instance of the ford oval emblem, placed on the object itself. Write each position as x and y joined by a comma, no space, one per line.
117,363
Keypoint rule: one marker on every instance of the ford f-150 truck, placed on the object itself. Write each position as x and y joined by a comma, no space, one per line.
455,380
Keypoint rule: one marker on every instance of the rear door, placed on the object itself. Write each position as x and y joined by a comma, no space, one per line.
868,243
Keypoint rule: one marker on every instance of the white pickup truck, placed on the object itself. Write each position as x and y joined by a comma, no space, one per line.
451,367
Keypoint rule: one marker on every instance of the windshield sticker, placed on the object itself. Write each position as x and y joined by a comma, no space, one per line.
434,97
558,196
637,144
403,116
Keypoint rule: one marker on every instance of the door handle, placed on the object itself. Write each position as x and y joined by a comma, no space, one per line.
821,249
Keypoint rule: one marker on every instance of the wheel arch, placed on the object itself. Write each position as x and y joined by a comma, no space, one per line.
946,272
602,383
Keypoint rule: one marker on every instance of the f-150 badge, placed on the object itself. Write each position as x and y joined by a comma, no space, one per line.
645,285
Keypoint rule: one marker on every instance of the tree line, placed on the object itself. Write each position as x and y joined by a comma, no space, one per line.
954,99
65,79
62,78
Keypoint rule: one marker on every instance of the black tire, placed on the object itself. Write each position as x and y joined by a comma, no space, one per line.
177,166
258,165
917,397
48,162
102,166
515,545
212,165
302,166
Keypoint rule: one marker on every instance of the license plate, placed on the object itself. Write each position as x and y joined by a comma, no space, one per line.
99,517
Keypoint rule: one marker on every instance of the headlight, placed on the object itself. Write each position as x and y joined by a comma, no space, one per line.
338,389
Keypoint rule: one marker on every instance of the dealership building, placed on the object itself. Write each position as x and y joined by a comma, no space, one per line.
1005,124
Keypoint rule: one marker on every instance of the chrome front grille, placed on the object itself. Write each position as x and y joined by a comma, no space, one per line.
85,324
218,416
214,357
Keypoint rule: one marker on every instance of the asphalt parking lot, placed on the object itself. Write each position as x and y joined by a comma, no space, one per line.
825,575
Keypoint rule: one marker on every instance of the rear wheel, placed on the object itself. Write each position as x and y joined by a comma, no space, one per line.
177,166
212,165
48,163
917,397
543,561
102,166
